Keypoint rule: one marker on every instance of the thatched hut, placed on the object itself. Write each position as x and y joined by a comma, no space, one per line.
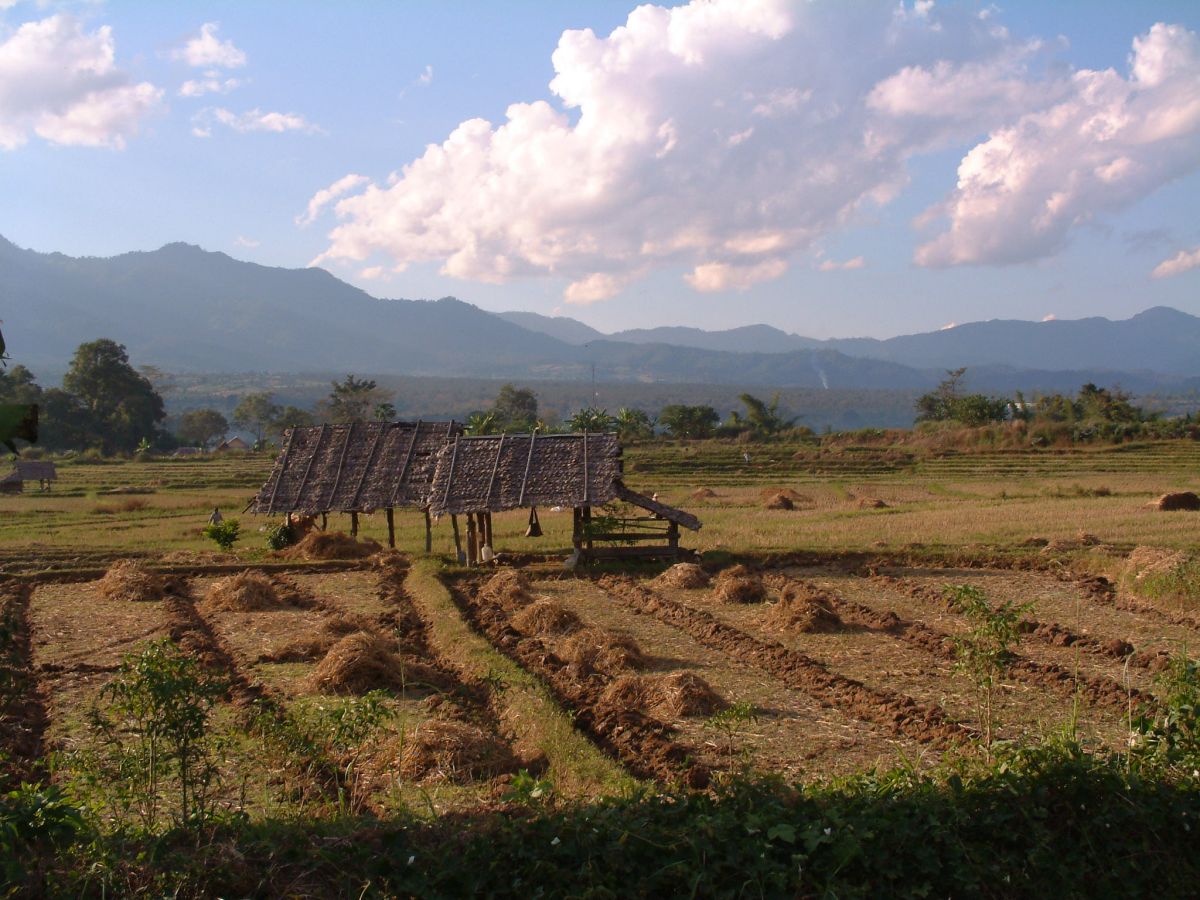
41,471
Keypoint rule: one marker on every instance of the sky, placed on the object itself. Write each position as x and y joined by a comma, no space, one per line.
834,168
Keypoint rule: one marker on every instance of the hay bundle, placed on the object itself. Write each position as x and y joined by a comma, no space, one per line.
801,614
546,617
1144,561
683,576
449,750
1179,500
508,589
684,694
127,579
738,584
598,650
312,647
703,494
872,503
626,692
780,501
795,496
244,592
365,661
317,545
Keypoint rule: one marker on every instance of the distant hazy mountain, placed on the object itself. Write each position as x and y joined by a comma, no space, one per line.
188,310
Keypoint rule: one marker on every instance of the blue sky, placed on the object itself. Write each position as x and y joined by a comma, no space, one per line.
705,166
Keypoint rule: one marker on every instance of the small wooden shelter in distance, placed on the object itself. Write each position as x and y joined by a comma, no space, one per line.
43,472
482,475
353,468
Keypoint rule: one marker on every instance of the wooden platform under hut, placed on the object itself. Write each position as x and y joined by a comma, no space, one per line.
479,476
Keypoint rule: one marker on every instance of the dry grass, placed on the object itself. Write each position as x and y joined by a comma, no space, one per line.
673,695
128,505
508,589
127,579
365,661
546,617
246,591
801,613
318,545
598,650
683,576
448,750
738,584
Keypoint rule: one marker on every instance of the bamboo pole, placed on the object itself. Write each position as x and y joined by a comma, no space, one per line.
353,524
458,551
428,532
391,523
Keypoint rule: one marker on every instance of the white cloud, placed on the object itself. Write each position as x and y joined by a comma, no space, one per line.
1049,317
371,273
948,326
725,139
1183,261
426,77
325,196
251,120
206,50
62,84
1106,144
200,87
243,241
830,265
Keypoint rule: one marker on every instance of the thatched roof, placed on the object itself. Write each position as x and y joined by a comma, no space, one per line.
35,470
512,471
354,468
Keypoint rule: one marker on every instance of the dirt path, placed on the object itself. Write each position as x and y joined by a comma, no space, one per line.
901,714
22,706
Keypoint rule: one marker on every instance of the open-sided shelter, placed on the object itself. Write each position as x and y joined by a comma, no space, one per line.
41,471
478,476
355,467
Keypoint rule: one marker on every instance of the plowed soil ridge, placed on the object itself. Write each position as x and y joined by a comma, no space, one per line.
22,707
1097,689
901,714
643,744
1100,590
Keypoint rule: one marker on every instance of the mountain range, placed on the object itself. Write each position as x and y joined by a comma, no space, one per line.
185,309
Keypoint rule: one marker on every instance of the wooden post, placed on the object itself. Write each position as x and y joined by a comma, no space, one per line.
324,521
576,528
353,524
391,522
428,532
587,521
472,540
458,553
673,538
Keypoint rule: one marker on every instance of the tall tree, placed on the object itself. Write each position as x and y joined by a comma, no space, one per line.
353,399
591,418
257,413
634,424
516,409
292,417
762,418
123,405
683,421
201,427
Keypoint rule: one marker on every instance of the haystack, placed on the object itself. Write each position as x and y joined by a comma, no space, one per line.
450,750
703,494
508,589
315,646
795,496
546,617
798,613
1144,561
738,584
244,592
598,650
127,579
872,503
779,501
674,695
317,545
1180,500
365,661
683,576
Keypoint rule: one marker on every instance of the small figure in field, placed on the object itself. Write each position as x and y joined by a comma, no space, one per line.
746,458
216,518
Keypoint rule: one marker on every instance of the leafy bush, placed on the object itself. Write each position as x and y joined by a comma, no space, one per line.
280,536
225,534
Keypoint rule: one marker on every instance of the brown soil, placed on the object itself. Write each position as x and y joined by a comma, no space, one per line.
1181,500
738,584
591,651
127,579
899,713
331,545
449,750
683,576
365,661
646,746
22,710
546,617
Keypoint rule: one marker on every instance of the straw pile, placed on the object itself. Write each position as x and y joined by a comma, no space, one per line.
675,695
1180,500
365,661
798,613
508,589
449,750
597,650
871,503
779,501
1145,561
244,592
1062,545
307,649
546,617
683,576
703,494
738,584
317,545
127,579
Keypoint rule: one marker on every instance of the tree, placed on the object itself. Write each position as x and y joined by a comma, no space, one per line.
64,423
482,423
384,412
122,403
947,402
352,399
292,417
590,418
761,418
683,421
634,424
17,385
257,413
201,427
516,409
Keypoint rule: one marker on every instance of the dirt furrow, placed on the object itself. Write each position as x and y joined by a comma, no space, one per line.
643,744
1100,590
901,714
22,707
938,643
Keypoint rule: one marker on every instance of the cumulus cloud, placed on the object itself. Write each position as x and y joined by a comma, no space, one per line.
1181,262
243,241
249,121
206,50
1109,142
62,84
426,77
211,84
325,196
830,265
724,139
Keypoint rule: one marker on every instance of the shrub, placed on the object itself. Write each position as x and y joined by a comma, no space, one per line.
280,536
225,534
